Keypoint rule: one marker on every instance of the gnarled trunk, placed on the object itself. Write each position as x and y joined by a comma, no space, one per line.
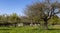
45,25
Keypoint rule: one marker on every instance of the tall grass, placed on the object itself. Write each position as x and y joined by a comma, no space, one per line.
26,29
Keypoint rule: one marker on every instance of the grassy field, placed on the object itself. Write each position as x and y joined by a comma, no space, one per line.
27,29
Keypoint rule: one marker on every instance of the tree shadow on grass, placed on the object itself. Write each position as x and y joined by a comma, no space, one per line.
53,29
5,29
46,29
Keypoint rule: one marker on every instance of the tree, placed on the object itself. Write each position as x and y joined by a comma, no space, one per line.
3,18
54,20
43,10
14,18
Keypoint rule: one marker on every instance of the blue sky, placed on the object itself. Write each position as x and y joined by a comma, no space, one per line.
14,6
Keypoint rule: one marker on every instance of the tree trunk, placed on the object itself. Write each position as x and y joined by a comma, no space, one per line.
45,25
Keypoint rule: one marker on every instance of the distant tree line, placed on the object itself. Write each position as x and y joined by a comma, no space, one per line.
9,19
13,19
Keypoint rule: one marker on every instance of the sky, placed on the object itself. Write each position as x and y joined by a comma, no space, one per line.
14,6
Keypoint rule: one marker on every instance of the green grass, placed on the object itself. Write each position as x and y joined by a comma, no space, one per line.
26,29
